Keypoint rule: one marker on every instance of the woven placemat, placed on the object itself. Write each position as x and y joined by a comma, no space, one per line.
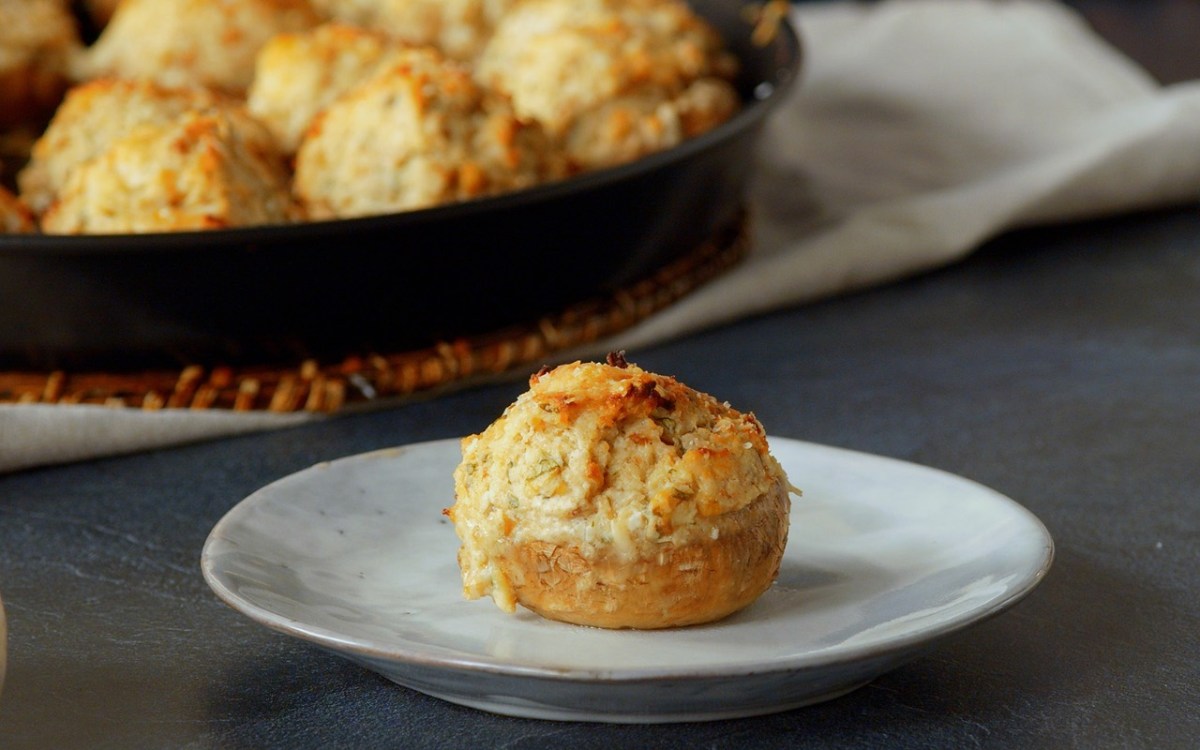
313,386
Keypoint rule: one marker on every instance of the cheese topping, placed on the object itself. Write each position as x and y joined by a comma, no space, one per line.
612,460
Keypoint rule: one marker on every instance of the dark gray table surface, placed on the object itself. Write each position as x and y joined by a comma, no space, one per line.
1059,366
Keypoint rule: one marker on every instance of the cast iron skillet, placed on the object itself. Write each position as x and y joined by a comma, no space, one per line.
386,283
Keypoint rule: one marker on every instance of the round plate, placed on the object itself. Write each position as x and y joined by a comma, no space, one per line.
884,558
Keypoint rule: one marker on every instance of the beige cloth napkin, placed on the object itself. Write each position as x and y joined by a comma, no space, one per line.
920,128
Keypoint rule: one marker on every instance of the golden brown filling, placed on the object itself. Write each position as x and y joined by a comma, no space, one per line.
611,460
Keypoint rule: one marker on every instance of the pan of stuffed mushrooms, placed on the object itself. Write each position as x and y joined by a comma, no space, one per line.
257,180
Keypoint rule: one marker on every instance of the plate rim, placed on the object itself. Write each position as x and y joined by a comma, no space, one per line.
411,653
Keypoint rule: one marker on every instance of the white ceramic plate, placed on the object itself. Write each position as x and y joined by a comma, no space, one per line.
884,558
